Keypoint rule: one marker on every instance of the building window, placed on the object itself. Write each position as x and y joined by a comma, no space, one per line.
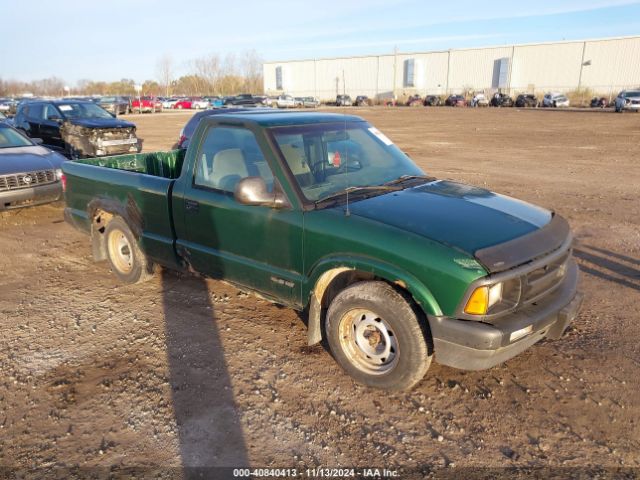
278,78
409,72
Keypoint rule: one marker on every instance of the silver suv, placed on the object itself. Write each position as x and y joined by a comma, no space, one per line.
628,100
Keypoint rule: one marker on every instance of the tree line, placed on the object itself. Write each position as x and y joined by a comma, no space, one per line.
207,75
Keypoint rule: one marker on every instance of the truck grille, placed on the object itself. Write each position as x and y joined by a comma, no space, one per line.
542,281
116,133
25,180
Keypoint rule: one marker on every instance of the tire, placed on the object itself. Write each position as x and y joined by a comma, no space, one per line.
374,311
127,261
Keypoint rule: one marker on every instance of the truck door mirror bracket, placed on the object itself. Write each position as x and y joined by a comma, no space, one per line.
253,191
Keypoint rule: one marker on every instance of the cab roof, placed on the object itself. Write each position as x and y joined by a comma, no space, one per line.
283,118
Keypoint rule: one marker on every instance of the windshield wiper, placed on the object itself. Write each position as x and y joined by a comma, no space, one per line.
358,192
407,178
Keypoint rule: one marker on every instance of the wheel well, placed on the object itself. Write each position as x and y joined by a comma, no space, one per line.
99,220
333,282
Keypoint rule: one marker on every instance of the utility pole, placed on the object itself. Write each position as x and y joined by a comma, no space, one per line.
395,69
377,76
584,47
513,52
448,68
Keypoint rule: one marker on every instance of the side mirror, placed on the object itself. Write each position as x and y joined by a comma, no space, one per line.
253,191
55,118
37,141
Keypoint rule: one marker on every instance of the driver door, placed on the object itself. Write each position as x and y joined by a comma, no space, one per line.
256,246
50,127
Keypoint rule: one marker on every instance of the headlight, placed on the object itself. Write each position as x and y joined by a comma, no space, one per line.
493,298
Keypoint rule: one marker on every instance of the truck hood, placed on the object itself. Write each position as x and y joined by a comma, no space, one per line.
100,123
28,159
457,215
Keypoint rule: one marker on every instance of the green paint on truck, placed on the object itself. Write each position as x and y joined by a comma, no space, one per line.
323,213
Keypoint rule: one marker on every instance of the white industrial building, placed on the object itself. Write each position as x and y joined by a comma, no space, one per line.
604,66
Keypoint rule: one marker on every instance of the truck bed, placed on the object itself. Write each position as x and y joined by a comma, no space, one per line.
136,186
157,164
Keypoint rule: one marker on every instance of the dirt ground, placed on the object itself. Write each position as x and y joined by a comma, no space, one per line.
179,372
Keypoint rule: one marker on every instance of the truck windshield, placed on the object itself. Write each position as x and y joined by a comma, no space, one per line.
83,110
329,157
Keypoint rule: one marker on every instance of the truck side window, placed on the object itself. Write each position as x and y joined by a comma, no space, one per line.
35,112
226,156
50,112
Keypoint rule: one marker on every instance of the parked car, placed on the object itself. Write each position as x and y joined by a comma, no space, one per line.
245,99
168,103
455,101
147,103
525,100
285,101
599,102
271,101
343,101
432,101
417,270
362,101
310,102
415,101
214,102
628,100
183,103
555,100
261,100
299,102
501,100
114,104
479,100
5,105
76,128
29,173
200,103
8,106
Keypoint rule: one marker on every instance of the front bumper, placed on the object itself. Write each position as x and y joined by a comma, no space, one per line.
472,345
29,197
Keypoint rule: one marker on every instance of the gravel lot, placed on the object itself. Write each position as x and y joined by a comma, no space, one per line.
186,372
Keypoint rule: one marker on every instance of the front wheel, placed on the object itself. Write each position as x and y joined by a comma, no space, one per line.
375,336
127,261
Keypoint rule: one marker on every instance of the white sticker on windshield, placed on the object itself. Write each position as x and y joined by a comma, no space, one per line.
381,136
65,108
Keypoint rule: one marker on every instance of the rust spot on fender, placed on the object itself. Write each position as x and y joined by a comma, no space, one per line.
401,283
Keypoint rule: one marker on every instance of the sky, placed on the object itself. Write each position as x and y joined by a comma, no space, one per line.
114,39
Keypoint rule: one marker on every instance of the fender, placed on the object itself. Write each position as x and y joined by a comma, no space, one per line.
326,270
129,211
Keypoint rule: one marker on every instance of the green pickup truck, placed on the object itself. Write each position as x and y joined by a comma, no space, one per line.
323,213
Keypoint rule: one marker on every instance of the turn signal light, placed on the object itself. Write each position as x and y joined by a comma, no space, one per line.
478,302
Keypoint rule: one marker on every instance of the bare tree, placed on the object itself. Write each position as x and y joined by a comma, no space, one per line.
164,72
251,70
207,68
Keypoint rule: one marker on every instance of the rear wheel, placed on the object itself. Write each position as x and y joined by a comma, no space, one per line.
127,261
375,336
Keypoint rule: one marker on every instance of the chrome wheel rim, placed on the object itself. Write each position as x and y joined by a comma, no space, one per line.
368,341
120,251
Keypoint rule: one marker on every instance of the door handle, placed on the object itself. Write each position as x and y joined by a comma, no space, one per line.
192,206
